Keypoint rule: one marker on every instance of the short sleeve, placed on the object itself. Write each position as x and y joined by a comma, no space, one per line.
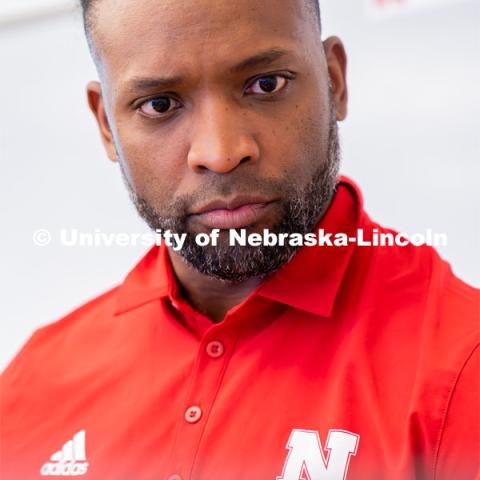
459,448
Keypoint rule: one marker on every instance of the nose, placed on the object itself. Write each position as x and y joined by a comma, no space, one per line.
220,140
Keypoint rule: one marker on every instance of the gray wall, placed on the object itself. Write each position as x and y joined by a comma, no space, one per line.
411,142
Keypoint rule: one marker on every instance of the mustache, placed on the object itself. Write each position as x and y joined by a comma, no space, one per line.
236,185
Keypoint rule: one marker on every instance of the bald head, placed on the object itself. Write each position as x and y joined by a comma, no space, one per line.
312,6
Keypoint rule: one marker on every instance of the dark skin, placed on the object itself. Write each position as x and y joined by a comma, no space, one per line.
218,118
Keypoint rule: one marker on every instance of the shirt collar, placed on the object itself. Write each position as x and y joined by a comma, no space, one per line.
310,281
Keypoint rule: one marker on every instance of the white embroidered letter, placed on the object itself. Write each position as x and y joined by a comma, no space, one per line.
306,459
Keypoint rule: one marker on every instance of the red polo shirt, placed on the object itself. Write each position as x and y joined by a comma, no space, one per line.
348,363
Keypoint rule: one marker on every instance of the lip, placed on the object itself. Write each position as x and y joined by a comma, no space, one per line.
233,203
235,213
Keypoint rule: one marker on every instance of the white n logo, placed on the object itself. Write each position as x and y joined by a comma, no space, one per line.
306,458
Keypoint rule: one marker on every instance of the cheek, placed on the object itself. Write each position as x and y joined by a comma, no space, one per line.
297,144
155,165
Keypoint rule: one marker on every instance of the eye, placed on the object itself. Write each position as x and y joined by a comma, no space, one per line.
159,106
267,85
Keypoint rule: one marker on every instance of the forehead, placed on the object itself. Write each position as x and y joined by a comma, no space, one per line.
134,36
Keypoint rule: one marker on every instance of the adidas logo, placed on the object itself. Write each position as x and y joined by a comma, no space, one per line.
70,461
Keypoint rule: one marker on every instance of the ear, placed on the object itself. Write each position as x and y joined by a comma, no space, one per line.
97,106
337,71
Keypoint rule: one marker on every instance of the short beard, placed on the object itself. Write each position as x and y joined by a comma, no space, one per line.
237,263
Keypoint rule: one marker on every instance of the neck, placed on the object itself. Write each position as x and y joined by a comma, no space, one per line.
209,295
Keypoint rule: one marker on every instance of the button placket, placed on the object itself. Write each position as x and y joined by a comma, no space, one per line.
207,375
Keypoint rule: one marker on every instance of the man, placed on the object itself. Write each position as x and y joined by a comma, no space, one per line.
244,362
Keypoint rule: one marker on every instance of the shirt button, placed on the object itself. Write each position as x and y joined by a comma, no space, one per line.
215,349
193,414
175,477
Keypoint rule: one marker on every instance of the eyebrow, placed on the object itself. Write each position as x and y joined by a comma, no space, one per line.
147,83
260,59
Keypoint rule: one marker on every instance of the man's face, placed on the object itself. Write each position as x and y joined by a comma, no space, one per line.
221,116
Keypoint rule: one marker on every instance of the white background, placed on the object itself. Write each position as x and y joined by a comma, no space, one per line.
411,142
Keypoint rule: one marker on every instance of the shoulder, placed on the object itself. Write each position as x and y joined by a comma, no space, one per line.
89,339
59,341
421,275
415,298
